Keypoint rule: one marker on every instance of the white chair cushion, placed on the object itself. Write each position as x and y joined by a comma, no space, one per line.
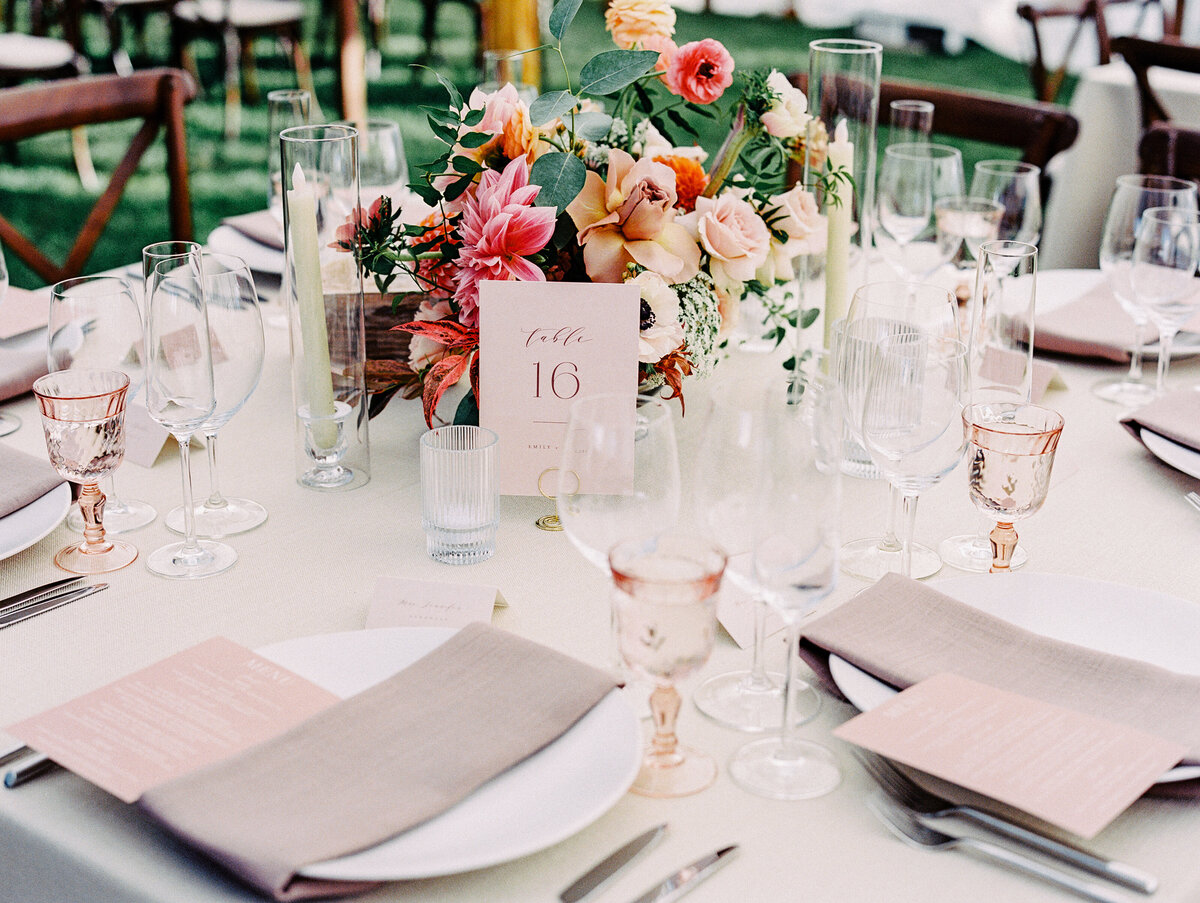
242,13
22,52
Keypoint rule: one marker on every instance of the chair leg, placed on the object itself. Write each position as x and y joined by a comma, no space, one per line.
294,46
249,71
231,50
83,159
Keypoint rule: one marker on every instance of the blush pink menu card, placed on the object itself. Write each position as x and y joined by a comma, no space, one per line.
1072,770
543,345
197,707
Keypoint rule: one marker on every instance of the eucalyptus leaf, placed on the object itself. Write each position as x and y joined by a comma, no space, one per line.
809,317
562,15
612,70
593,126
561,177
551,106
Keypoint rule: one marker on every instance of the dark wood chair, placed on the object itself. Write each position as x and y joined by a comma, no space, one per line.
1039,130
1170,150
1141,56
156,96
114,13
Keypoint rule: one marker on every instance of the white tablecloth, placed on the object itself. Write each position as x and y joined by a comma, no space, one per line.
310,569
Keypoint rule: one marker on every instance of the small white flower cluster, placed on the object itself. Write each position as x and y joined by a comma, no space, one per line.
700,313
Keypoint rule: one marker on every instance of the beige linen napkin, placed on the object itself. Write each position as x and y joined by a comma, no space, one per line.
902,631
1175,415
380,762
261,225
23,479
1093,325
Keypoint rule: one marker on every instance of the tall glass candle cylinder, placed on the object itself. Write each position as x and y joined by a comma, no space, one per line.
322,289
843,97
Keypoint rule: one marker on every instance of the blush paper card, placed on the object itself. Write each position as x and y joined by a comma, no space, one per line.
430,603
1069,769
23,311
144,436
543,345
195,708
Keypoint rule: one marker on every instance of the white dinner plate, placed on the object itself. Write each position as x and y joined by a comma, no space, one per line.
1056,288
259,257
548,797
25,526
1108,617
1178,456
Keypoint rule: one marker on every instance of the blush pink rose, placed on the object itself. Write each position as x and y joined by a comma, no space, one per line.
734,235
700,72
795,214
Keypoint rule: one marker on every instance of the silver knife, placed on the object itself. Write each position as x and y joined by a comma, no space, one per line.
37,608
610,865
675,886
29,595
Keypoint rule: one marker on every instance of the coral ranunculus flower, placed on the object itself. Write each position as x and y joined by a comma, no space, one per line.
643,23
700,72
499,229
631,218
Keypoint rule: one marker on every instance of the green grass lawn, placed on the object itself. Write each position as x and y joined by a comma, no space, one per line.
40,192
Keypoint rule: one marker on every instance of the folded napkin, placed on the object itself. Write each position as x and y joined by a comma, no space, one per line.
1175,415
261,225
1093,325
23,479
901,632
380,762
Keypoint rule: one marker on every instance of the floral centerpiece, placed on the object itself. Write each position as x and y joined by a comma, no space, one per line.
564,189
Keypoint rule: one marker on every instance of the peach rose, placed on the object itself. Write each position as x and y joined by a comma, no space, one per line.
795,214
639,23
734,235
700,72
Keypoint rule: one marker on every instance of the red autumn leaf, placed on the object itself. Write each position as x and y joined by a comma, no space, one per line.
445,332
441,377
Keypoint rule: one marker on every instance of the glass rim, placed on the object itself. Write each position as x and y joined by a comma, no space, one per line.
1007,167
907,284
490,437
711,557
1008,247
845,45
911,104
62,286
1053,416
1157,213
288,94
123,379
316,134
977,201
1154,182
923,150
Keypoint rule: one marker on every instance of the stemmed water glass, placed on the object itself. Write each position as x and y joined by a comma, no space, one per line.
9,423
1016,186
1165,257
1011,454
1133,195
382,166
96,324
968,222
912,416
83,417
795,563
180,396
726,507
912,179
286,108
236,335
911,121
878,310
664,603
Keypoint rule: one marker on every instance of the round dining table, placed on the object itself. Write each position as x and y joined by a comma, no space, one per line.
1114,513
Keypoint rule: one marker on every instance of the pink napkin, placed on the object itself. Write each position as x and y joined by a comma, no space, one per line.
379,763
23,479
1093,325
261,225
1175,415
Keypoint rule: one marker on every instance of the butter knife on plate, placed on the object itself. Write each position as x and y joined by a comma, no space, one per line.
675,886
611,864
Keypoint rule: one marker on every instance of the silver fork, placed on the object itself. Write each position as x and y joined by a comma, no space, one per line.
926,806
1194,499
904,824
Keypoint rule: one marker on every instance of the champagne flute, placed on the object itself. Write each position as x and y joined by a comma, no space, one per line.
1163,273
665,603
1017,187
912,179
1011,454
795,563
83,417
180,396
236,335
95,324
878,310
9,423
1133,195
912,417
725,507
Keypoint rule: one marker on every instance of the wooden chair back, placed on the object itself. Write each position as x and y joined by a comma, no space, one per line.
1170,150
156,96
1142,55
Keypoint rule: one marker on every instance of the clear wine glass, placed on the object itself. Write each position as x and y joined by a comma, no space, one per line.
877,310
1133,195
725,508
9,423
286,107
619,472
83,417
1163,273
96,324
795,563
180,396
912,416
1010,456
1017,187
665,604
967,222
912,179
236,335
382,165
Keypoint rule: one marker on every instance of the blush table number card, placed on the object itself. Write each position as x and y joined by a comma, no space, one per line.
542,346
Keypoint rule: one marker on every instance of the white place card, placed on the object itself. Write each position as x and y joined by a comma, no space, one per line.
542,346
144,436
399,602
23,311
